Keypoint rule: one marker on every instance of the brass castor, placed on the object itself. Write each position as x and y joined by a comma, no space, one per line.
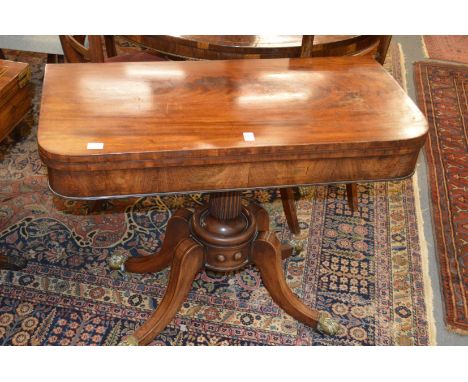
327,325
116,261
128,341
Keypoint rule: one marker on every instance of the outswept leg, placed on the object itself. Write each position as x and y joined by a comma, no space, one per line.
263,224
187,262
266,255
177,229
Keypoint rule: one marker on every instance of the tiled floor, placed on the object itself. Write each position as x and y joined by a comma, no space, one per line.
413,51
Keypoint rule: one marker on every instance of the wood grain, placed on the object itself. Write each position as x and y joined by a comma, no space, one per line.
178,126
16,94
228,47
266,255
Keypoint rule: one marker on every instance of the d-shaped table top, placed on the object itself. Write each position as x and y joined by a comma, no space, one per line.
239,115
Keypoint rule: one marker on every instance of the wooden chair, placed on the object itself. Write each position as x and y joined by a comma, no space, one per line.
377,46
100,49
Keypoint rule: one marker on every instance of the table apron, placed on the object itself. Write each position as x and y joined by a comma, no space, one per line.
143,181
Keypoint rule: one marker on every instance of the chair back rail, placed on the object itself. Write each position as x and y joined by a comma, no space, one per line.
354,46
75,50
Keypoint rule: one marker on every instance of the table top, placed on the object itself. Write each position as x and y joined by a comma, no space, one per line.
170,112
219,47
257,41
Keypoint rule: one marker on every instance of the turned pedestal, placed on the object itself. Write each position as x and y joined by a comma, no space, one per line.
222,236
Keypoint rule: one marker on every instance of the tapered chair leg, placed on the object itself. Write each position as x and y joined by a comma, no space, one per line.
351,193
267,257
187,262
289,207
176,230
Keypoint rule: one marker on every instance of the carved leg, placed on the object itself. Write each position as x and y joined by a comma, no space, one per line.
177,229
13,263
351,193
267,257
187,262
263,224
289,207
261,216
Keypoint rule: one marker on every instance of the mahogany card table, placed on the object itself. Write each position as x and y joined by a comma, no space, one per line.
124,129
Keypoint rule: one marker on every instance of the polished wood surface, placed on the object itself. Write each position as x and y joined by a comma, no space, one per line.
16,93
227,47
186,263
224,236
177,229
178,126
266,255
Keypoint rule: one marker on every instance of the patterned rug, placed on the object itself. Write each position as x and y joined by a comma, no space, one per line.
448,48
442,95
364,268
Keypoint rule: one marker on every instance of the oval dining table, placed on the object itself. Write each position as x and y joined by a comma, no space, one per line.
227,47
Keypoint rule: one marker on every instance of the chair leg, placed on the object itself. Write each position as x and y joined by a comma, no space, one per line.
351,192
178,228
289,207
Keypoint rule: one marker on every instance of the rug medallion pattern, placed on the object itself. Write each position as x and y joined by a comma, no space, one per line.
364,268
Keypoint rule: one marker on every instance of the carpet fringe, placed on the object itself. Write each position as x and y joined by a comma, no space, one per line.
403,67
456,330
424,47
428,292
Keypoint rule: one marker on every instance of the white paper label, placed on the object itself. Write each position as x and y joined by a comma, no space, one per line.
95,146
249,137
